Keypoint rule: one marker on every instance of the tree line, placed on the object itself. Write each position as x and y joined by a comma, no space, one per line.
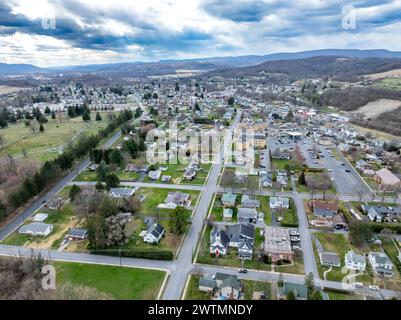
50,171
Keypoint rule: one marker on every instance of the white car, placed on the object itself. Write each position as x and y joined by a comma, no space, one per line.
374,288
357,284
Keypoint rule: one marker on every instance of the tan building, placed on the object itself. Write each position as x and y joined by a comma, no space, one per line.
277,244
386,178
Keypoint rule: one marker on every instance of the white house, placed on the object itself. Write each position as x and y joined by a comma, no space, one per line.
381,264
154,233
36,229
279,202
354,261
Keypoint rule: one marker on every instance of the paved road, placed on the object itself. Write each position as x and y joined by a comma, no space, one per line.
84,258
183,264
295,278
19,219
305,235
147,185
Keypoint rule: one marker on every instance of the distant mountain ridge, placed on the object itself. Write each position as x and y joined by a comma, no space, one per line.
161,67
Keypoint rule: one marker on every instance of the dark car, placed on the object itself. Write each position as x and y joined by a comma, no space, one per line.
347,170
243,271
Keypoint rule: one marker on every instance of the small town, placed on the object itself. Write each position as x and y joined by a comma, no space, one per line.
235,178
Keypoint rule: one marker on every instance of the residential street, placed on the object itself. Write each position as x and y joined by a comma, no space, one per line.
19,219
148,185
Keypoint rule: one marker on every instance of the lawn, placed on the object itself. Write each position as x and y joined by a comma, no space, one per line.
336,295
62,220
155,196
120,283
192,292
256,286
279,164
40,146
389,83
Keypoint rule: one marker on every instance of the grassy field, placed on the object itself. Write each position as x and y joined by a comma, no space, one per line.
120,283
389,83
256,286
155,196
41,146
279,164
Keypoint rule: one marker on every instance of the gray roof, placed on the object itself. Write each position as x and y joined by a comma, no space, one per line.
177,197
357,258
34,227
330,258
77,233
299,290
247,213
207,282
122,192
238,231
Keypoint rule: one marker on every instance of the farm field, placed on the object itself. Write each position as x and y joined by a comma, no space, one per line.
42,146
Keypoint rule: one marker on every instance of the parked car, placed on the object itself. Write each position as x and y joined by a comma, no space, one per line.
347,170
243,271
374,288
357,284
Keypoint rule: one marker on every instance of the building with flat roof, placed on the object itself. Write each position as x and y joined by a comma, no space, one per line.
277,244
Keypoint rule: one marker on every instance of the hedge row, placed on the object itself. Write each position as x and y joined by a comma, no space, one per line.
143,254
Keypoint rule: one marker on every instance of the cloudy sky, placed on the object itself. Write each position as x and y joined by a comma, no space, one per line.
69,32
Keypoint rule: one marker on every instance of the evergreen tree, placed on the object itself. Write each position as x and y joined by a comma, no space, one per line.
112,181
98,117
41,128
74,192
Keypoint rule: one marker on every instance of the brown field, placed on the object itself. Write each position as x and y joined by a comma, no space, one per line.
388,74
375,108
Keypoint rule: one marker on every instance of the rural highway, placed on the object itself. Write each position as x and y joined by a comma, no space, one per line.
26,213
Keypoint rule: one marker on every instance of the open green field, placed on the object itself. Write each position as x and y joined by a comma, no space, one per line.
389,83
42,146
120,283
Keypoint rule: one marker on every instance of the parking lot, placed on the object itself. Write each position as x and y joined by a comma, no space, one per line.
344,176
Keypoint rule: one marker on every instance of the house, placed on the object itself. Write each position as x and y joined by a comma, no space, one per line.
154,233
279,202
93,167
382,213
219,242
381,264
354,261
266,180
190,173
227,214
121,192
207,284
224,286
40,217
247,215
386,178
166,178
324,209
36,229
154,174
249,202
55,203
228,199
77,234
277,245
175,199
239,236
364,167
330,259
230,286
300,291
